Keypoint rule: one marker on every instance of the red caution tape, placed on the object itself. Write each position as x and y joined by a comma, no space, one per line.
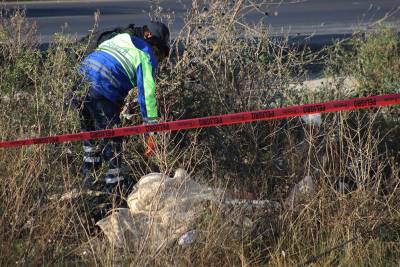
234,118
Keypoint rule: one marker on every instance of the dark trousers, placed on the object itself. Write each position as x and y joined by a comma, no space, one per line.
99,113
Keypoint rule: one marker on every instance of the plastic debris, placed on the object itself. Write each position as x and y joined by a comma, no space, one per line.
164,210
312,119
187,238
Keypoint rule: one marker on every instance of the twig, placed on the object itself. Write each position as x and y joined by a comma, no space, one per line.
313,259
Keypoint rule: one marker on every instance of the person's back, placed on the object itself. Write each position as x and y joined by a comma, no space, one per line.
119,64
93,40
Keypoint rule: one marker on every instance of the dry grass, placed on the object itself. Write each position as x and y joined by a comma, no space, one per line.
240,70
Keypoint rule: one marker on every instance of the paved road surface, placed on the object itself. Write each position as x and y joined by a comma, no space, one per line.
297,17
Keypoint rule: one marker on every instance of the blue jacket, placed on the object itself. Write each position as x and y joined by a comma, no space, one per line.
117,65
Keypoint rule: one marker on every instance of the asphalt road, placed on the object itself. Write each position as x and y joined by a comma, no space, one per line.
296,17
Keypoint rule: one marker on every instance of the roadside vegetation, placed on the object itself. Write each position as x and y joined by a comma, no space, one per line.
238,69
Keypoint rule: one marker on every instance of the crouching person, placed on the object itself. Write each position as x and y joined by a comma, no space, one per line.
120,62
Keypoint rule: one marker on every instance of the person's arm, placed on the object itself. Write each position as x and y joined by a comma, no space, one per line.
147,99
146,90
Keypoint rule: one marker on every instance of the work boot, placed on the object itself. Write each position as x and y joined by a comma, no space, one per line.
91,159
112,179
90,183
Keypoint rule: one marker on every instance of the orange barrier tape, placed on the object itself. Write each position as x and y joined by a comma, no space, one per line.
211,121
